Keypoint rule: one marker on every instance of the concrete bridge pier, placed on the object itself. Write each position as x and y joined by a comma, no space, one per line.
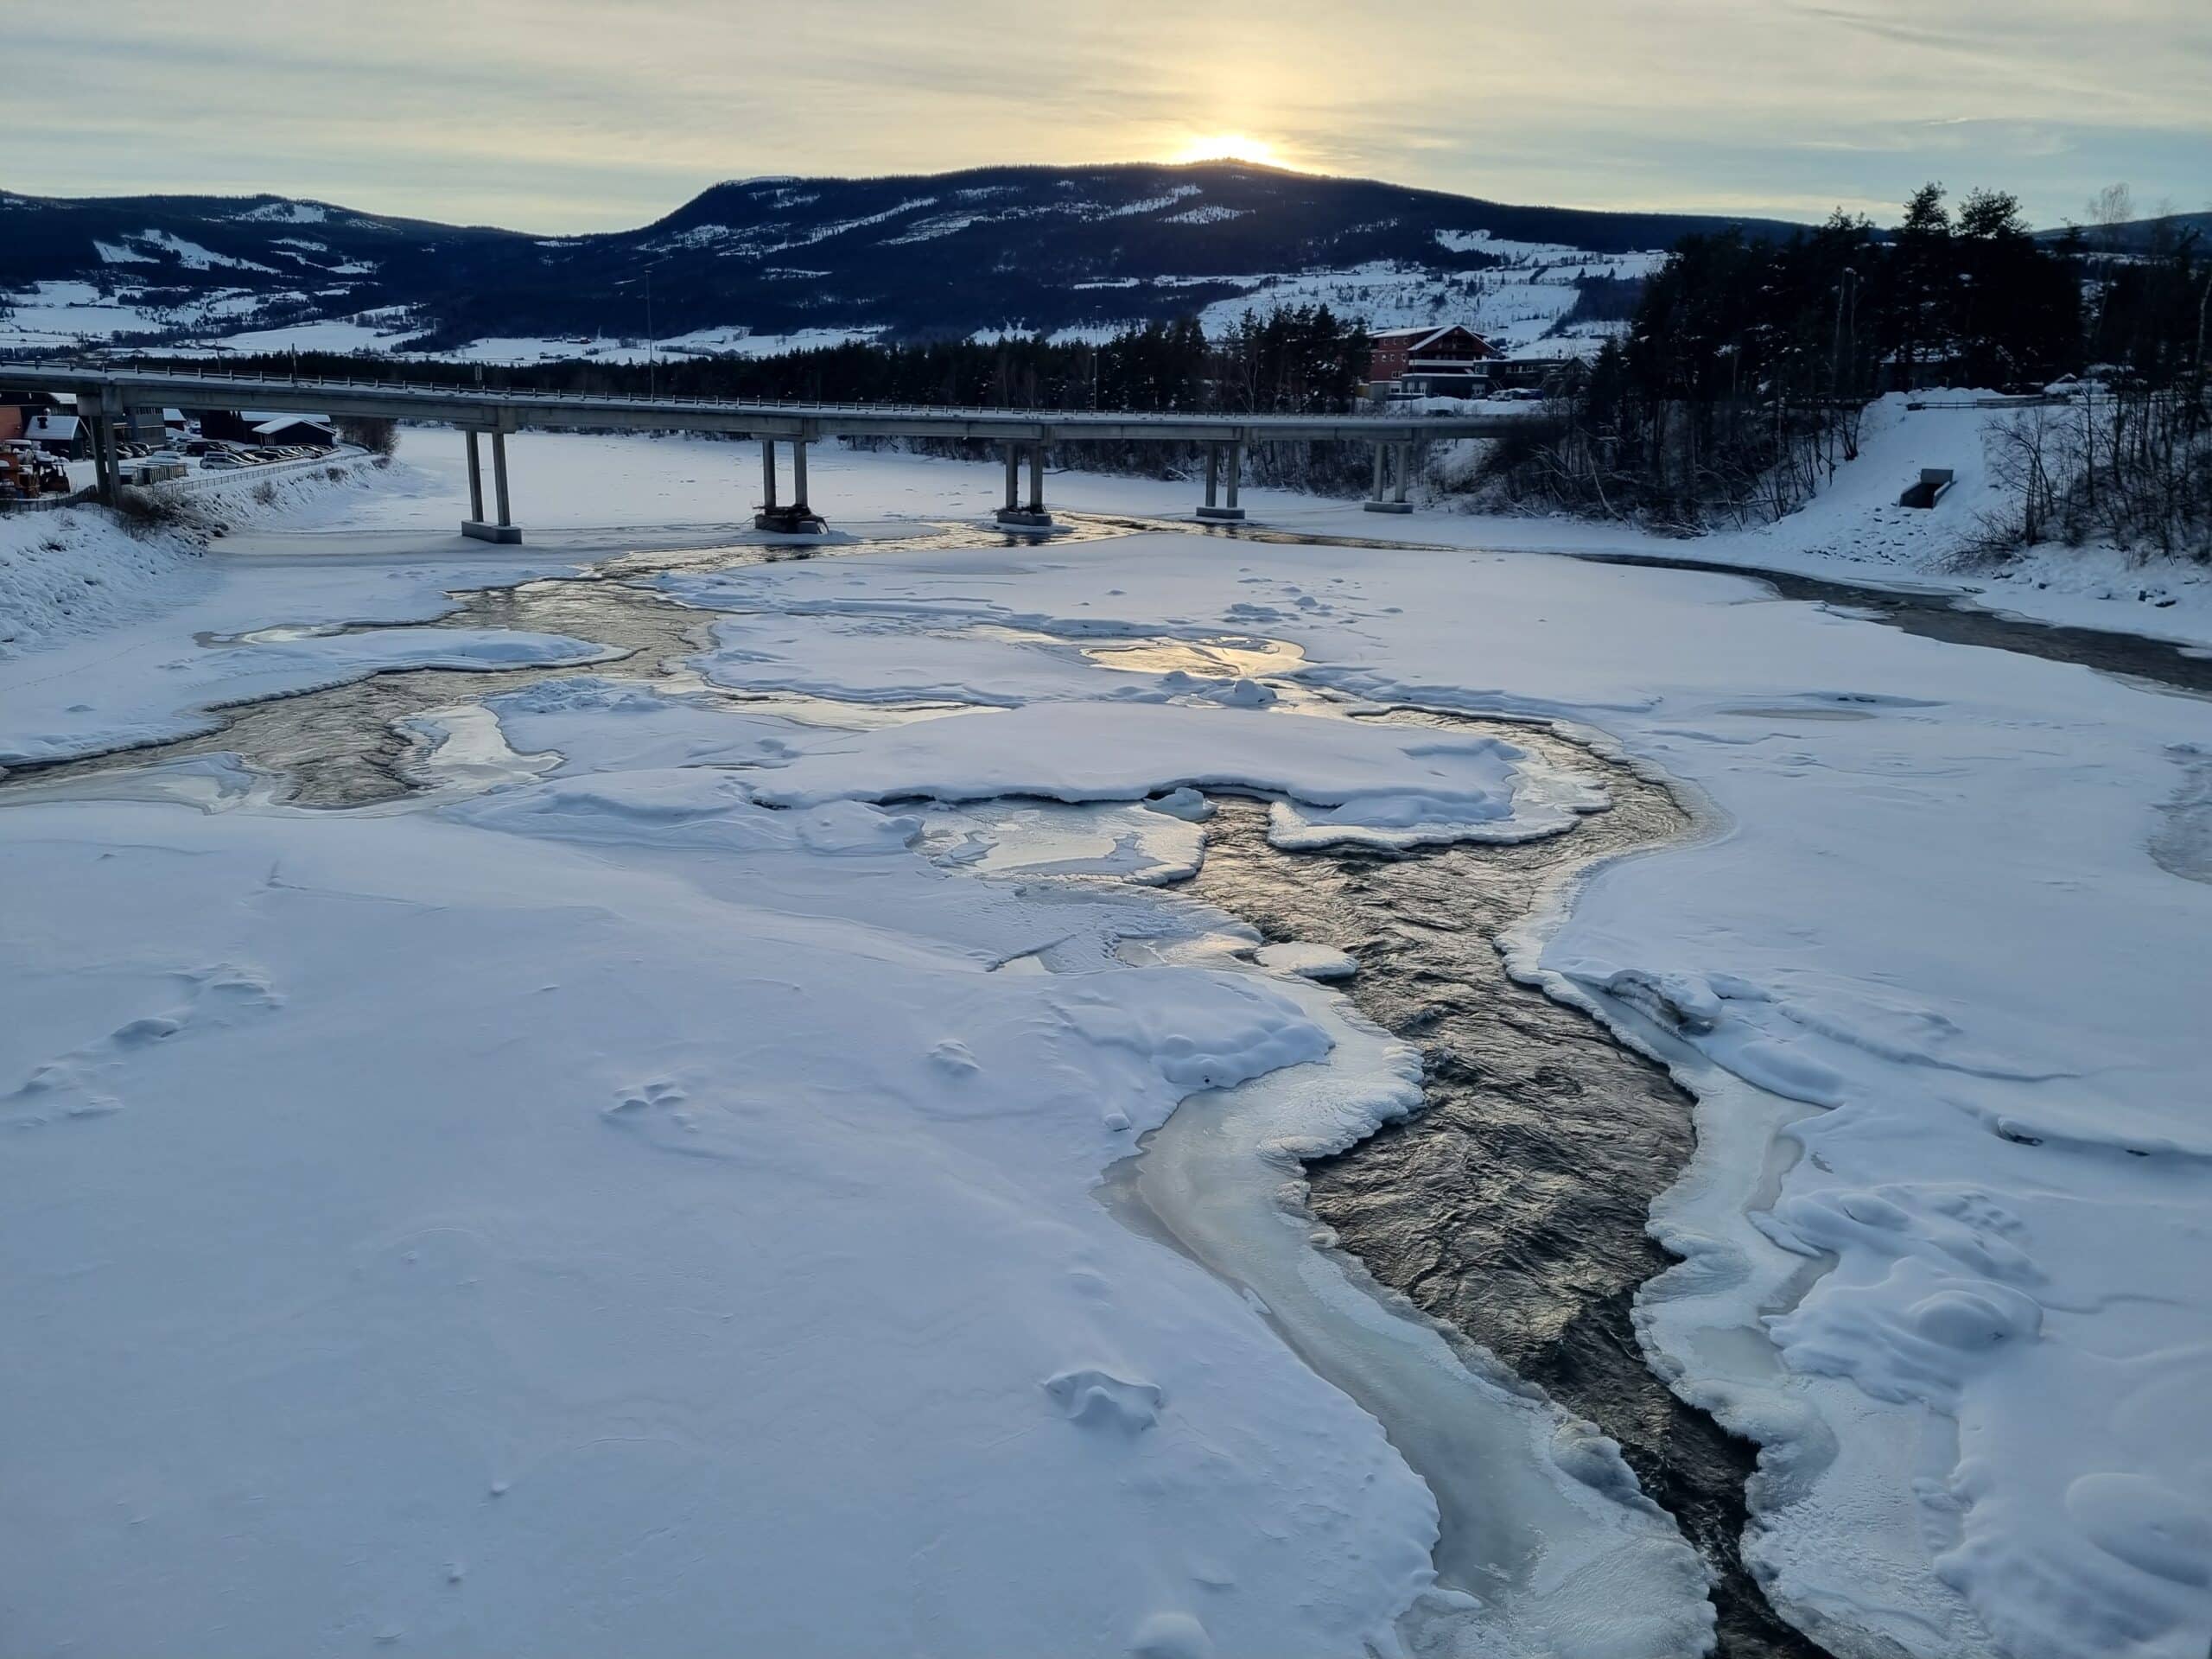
503,527
97,410
798,519
1015,513
107,475
1223,457
1400,451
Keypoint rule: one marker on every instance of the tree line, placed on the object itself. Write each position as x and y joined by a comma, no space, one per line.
1300,360
1741,381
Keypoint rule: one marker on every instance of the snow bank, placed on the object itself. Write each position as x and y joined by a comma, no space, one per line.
1853,529
73,571
519,1231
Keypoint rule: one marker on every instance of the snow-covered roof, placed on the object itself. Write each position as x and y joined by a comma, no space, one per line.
273,423
52,426
1429,334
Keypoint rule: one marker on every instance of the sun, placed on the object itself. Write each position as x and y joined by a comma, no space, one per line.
1228,146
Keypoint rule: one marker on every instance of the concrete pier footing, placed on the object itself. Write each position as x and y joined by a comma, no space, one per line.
1017,514
794,518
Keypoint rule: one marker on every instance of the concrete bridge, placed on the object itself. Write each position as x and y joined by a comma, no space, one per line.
113,396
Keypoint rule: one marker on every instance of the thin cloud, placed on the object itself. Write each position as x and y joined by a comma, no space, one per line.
562,115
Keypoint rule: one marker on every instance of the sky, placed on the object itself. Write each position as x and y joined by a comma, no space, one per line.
561,115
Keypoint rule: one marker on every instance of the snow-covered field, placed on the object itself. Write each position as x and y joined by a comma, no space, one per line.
1516,304
653,1205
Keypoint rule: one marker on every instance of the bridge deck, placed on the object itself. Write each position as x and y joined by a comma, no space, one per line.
510,410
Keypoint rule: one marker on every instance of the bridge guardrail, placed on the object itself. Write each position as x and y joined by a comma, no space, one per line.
1259,419
194,483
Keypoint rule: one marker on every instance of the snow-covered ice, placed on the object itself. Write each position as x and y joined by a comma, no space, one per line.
1342,781
671,1247
648,1198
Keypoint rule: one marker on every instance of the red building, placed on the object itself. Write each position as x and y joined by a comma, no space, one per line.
1450,361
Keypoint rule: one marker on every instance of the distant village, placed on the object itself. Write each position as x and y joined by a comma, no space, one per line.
41,432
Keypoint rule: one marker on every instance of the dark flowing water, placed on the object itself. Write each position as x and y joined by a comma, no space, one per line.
1513,1206
344,746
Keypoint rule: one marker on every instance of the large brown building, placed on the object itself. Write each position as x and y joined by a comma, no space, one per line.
1446,361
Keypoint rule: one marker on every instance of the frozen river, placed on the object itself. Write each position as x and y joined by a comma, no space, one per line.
787,949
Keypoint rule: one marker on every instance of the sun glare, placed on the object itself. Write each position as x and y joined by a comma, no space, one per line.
1228,146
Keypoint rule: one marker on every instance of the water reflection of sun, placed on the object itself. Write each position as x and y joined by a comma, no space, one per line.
1228,146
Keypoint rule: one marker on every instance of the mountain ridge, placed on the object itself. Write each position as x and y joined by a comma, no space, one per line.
901,256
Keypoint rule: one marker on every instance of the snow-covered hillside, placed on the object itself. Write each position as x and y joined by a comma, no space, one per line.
762,264
1854,528
1516,304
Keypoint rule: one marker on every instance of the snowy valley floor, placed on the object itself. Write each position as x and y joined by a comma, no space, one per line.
642,1190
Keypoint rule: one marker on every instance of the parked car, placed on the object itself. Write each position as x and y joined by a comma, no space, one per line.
220,461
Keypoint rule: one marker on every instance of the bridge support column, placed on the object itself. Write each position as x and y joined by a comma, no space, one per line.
503,529
1397,502
1031,515
499,479
1220,458
106,477
96,412
798,519
475,481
